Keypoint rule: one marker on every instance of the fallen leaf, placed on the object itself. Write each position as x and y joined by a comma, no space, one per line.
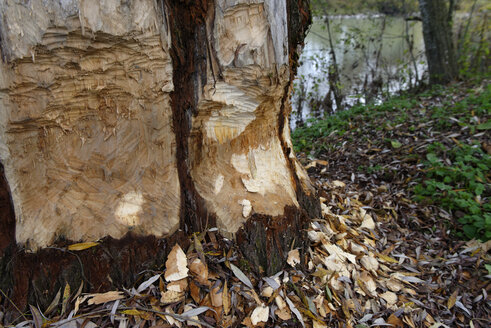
369,263
81,246
54,303
338,184
95,299
283,314
133,312
226,299
191,312
36,316
335,250
395,321
144,285
452,299
200,271
176,265
295,311
66,296
241,276
316,324
389,297
367,222
387,258
195,294
393,285
171,320
216,296
395,144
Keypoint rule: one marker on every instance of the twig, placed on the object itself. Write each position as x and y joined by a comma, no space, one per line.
15,306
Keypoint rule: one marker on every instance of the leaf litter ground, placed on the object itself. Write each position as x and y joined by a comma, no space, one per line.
377,259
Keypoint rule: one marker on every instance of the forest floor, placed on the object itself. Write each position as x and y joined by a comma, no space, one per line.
404,187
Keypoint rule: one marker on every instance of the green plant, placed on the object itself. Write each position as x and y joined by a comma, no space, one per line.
456,179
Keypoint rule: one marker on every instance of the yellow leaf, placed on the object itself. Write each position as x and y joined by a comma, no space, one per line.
320,273
452,299
82,246
133,312
387,258
66,296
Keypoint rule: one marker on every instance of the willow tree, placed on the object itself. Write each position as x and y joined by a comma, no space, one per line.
136,123
437,31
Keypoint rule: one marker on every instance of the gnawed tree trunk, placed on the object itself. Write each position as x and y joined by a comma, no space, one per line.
137,123
437,30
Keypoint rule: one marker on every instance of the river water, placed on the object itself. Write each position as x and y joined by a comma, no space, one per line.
375,55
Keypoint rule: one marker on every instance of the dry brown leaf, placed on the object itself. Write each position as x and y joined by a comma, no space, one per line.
200,270
226,299
319,304
194,289
368,284
394,285
216,296
389,297
316,324
176,265
161,285
95,299
247,322
367,222
356,249
395,321
280,302
260,314
335,250
338,184
452,299
407,320
283,314
293,257
369,263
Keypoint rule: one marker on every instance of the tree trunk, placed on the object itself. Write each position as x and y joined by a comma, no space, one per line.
136,123
437,31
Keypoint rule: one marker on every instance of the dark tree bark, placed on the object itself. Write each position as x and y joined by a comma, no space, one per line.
136,123
437,30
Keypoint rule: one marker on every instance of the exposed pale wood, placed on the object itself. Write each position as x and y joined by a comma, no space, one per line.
238,164
86,138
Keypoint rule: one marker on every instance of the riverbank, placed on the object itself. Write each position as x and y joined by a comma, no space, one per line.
431,149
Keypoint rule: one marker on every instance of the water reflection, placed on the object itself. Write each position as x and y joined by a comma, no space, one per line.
375,55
